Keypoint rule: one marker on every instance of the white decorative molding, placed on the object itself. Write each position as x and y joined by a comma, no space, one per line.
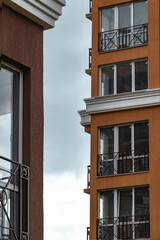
85,118
43,12
119,102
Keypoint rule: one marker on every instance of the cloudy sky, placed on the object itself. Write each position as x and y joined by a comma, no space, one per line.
67,147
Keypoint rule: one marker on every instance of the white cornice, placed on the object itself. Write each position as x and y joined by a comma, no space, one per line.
85,118
118,102
43,12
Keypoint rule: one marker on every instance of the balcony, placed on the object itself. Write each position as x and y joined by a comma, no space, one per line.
123,38
129,227
88,233
122,163
14,193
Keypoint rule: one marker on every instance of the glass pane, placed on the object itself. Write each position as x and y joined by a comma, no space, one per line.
141,138
107,205
106,160
140,13
125,204
6,111
141,145
141,202
107,81
124,78
124,16
125,140
107,140
107,19
141,75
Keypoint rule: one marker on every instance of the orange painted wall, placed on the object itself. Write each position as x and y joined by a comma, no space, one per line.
152,114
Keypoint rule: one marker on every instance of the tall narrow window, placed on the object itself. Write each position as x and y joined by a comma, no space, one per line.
123,78
140,13
124,16
141,75
107,82
9,113
107,19
10,174
106,159
125,203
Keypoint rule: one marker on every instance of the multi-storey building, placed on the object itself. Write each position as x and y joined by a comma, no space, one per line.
21,115
122,117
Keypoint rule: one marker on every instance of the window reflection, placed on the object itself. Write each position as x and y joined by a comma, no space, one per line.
124,16
141,75
124,78
140,12
107,80
107,19
9,121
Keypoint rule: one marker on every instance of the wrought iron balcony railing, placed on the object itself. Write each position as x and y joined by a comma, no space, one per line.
123,38
90,6
14,200
88,233
122,162
90,57
129,227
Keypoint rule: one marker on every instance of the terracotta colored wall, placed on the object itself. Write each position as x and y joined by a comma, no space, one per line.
152,114
21,44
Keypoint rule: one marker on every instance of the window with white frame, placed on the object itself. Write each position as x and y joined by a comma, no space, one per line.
124,214
123,77
123,26
123,149
124,16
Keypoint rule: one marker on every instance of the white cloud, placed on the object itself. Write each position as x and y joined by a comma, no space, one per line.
66,207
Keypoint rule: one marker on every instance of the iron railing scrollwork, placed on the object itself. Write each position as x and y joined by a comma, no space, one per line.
14,200
123,38
88,176
88,233
122,162
127,227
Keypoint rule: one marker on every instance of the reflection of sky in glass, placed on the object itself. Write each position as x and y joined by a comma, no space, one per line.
6,79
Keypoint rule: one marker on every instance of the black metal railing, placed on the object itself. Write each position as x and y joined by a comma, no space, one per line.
88,176
88,233
14,200
129,227
123,38
90,58
90,6
122,162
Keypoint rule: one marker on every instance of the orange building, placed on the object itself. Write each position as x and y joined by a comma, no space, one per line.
122,117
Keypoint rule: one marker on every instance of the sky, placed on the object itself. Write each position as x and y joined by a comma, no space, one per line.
66,145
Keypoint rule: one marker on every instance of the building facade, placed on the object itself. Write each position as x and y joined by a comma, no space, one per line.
122,117
21,115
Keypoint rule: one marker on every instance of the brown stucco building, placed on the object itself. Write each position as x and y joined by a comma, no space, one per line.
122,117
21,115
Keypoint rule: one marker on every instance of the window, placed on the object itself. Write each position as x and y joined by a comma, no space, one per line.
124,77
124,214
123,26
123,149
14,177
